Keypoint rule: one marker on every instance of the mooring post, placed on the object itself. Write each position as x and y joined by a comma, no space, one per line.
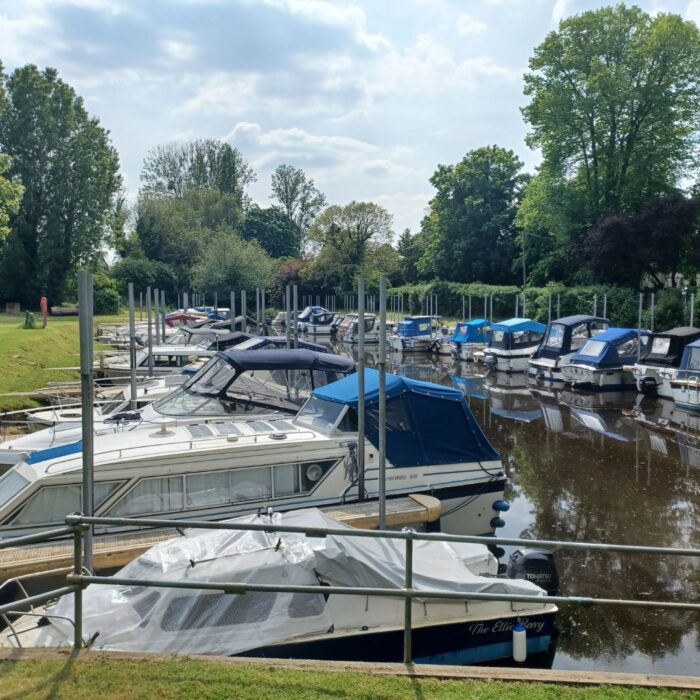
639,326
257,308
470,307
150,331
132,347
595,304
524,304
85,300
140,306
549,308
262,310
295,303
162,315
288,313
156,314
408,602
216,304
491,308
382,403
361,388
486,305
517,307
244,311
605,305
651,313
185,301
558,305
232,311
692,308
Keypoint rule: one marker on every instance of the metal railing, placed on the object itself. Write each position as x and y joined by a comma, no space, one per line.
77,579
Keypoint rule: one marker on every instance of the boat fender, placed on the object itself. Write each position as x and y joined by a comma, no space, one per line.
519,642
497,522
501,506
536,566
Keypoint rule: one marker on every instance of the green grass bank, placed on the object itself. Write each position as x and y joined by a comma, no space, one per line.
195,679
28,354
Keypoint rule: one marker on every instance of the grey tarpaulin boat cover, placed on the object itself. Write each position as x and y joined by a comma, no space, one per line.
167,620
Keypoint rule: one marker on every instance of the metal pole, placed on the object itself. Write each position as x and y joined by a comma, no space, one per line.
162,315
486,307
288,311
185,301
558,305
524,304
692,308
257,308
88,401
651,320
595,304
140,306
244,311
463,309
262,310
407,604
382,403
156,313
491,308
361,388
216,304
549,309
639,327
232,311
605,305
132,347
78,595
517,304
295,303
470,307
150,332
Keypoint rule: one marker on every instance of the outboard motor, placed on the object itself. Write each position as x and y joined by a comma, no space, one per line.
648,386
536,566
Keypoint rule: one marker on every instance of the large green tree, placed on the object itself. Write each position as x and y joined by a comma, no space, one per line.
274,230
173,168
297,196
345,234
70,173
615,105
469,231
10,196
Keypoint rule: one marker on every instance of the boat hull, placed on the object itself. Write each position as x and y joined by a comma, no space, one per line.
411,344
465,642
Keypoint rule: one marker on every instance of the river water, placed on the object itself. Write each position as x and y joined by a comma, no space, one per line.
611,468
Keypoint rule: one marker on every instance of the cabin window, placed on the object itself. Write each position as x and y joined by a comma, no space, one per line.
208,489
424,326
217,610
598,327
286,479
628,348
497,338
579,335
251,484
555,337
51,504
306,605
660,346
524,339
592,348
11,483
694,359
152,495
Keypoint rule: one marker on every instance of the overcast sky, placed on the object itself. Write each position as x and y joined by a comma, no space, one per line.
367,96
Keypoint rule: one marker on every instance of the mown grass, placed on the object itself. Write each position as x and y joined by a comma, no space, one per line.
28,354
190,679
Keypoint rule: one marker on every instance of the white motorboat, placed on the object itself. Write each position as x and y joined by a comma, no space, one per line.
511,344
223,445
144,619
658,367
315,320
562,338
413,334
347,330
470,337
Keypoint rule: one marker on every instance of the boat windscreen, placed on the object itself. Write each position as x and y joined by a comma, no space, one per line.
592,348
660,346
320,414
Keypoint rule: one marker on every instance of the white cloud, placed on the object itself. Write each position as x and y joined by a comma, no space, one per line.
559,11
178,50
692,12
468,25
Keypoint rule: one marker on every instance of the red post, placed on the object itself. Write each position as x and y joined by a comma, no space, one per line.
44,305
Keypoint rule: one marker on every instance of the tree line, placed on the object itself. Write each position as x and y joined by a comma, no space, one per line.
613,106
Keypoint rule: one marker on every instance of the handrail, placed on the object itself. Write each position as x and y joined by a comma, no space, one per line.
37,537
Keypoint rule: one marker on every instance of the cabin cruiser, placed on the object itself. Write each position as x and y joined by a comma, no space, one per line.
511,344
315,320
562,338
347,330
228,442
468,337
605,362
655,370
119,617
685,386
413,334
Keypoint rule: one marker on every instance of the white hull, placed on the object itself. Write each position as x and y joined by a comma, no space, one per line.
660,376
587,377
411,344
466,351
508,360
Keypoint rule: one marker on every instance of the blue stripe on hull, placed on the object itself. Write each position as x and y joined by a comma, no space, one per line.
488,652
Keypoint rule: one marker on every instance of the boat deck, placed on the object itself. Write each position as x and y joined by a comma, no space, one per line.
114,551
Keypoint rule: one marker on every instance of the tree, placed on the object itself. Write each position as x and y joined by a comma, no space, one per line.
228,262
615,105
172,169
469,230
347,231
298,196
10,196
69,171
274,230
663,239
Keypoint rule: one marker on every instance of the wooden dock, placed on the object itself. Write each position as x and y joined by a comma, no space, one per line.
114,551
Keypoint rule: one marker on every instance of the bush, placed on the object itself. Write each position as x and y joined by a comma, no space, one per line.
105,294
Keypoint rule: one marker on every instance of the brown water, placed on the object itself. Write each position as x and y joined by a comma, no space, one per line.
597,468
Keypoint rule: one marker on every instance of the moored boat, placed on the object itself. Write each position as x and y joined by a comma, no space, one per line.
685,386
413,334
470,337
511,344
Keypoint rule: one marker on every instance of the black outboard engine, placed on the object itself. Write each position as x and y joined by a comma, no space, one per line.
536,566
648,386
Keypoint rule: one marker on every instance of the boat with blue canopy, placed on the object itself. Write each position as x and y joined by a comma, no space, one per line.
511,344
470,336
604,362
413,334
562,338
685,387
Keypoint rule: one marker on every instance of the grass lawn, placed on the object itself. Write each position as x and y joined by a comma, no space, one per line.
191,679
26,355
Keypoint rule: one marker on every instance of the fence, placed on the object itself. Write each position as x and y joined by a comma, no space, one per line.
77,580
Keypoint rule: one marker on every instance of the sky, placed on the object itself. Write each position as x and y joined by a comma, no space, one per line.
366,96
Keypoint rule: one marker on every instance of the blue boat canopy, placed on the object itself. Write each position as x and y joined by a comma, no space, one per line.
412,326
425,423
478,330
519,324
690,362
611,348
